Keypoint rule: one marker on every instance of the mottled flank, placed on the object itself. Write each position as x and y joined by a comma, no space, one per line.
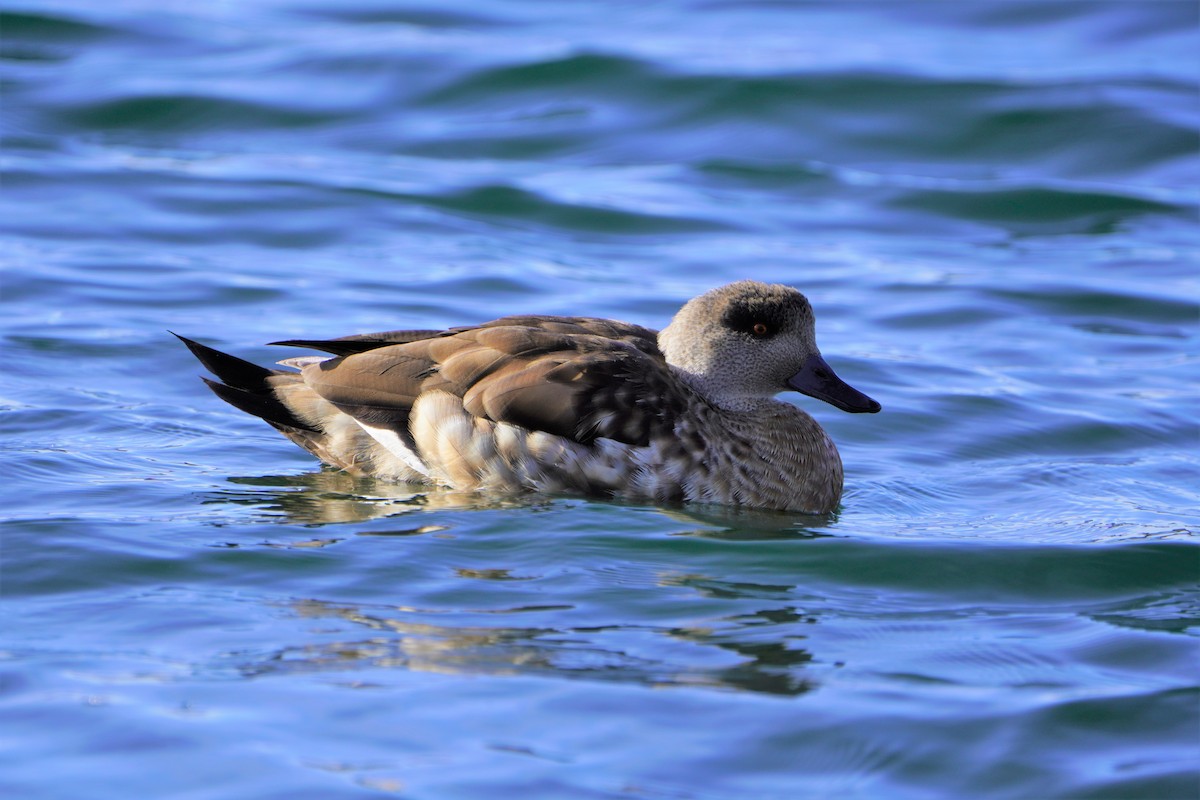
572,404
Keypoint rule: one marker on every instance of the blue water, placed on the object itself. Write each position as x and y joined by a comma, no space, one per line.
992,206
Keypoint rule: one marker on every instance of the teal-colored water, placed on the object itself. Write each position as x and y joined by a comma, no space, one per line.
992,206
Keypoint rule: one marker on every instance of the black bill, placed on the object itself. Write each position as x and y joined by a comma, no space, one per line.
817,379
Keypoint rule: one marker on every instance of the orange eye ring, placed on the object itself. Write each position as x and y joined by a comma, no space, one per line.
759,329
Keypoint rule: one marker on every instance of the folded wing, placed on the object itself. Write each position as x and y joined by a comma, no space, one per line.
575,377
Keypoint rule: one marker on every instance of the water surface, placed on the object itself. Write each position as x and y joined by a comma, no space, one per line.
992,206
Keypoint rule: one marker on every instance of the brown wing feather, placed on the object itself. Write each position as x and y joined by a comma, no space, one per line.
378,387
576,377
642,338
521,395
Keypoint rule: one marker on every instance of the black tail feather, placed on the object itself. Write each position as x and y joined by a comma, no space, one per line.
245,385
262,405
361,343
231,369
334,346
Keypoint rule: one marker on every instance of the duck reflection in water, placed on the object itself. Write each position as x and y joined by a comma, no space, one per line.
329,496
400,638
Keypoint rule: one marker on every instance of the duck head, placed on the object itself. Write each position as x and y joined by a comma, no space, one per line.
741,344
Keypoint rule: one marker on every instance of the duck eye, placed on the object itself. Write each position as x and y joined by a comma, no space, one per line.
760,329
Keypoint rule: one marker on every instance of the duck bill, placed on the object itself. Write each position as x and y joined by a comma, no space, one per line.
817,379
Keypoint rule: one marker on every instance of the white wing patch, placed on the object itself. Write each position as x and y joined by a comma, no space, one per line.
392,442
300,362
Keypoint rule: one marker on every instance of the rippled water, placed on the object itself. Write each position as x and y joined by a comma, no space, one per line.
992,205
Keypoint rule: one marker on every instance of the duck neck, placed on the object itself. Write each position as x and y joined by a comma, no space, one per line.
703,385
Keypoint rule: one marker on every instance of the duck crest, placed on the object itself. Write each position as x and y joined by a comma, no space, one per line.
572,404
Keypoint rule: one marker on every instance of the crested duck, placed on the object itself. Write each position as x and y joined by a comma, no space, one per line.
572,404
